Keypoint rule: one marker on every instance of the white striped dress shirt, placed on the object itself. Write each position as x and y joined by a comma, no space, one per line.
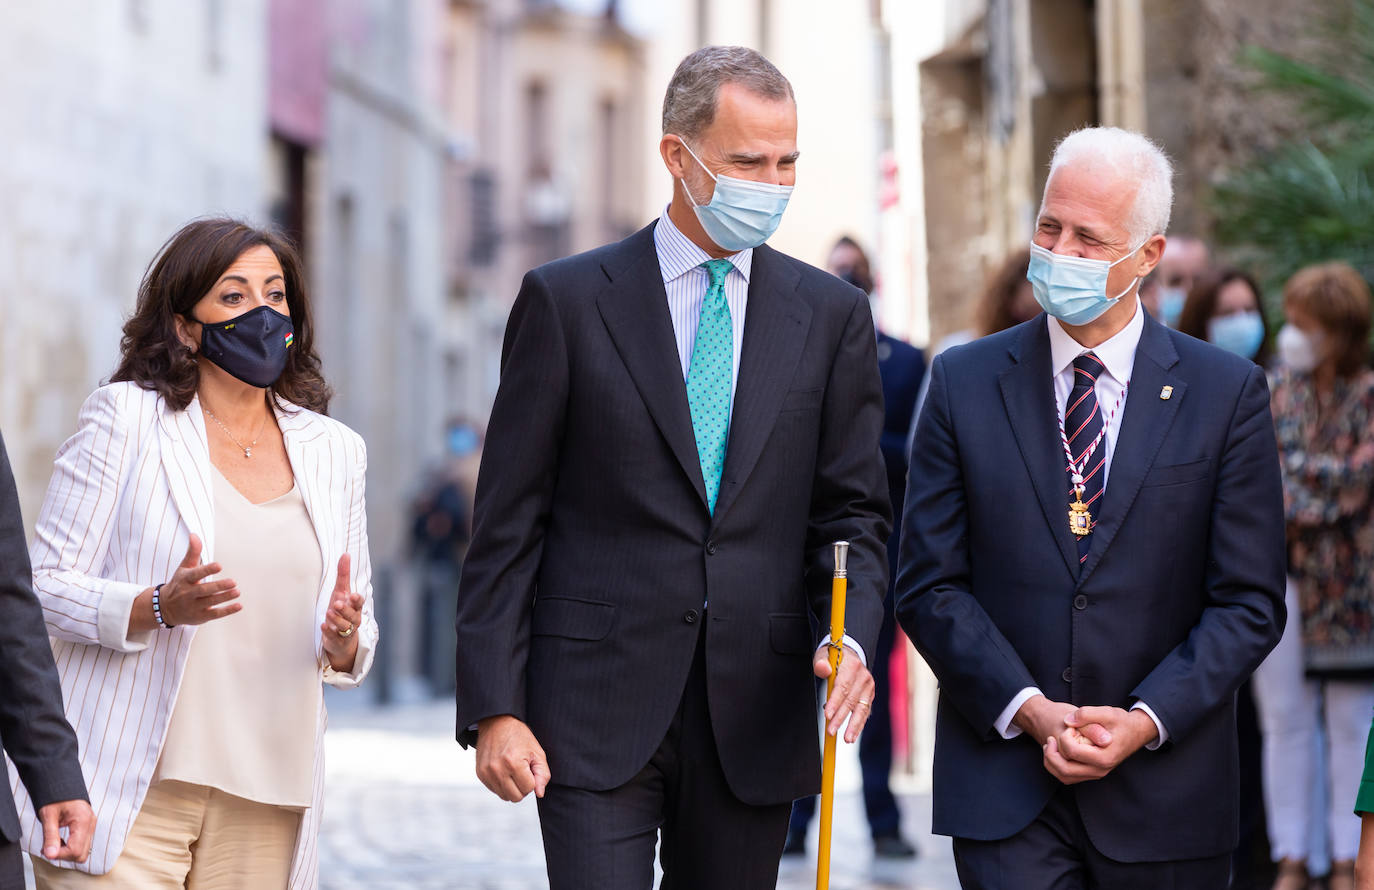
686,282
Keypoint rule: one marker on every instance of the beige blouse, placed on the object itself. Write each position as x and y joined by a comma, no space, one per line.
244,720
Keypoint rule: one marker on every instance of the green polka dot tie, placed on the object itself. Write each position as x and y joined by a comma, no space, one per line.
708,379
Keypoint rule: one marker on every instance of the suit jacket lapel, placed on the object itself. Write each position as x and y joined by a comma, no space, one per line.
634,307
185,456
1028,392
1144,424
775,329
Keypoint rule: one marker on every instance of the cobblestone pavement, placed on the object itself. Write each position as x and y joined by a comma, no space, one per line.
404,811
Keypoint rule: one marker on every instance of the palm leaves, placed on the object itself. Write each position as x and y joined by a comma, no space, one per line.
1312,199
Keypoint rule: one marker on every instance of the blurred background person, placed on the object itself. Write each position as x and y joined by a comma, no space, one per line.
1321,671
194,686
1007,300
1186,257
1224,307
37,739
902,368
440,528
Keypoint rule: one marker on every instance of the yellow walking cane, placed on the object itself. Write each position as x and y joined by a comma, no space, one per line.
838,587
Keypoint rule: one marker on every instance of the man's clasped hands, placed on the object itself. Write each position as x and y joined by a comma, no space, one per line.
1084,743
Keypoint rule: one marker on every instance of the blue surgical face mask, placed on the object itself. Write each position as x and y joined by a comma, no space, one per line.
1071,288
1171,300
1239,332
742,213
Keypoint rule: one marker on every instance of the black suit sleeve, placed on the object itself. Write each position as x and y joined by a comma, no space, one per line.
511,511
1245,613
849,501
34,730
978,669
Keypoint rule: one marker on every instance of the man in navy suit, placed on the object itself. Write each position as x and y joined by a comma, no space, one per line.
686,422
902,368
1092,559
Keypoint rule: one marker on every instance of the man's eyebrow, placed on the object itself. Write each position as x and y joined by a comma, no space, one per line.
744,157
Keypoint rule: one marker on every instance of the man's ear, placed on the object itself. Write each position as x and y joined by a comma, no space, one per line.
674,155
1150,255
188,332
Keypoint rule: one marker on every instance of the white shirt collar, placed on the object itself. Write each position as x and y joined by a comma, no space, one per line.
678,255
1117,353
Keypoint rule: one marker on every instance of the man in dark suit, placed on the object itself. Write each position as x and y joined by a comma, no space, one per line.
686,422
1092,559
33,729
902,368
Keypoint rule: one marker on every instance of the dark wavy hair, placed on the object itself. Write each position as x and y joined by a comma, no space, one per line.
184,271
994,312
1201,305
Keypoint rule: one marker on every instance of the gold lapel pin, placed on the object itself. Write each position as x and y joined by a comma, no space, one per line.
1166,392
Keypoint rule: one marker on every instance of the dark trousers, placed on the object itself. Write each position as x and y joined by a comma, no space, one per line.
875,750
11,865
1055,853
604,840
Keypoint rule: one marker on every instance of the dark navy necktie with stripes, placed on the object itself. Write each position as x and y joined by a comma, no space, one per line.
1082,426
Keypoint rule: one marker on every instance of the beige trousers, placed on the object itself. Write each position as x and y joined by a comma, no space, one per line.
197,838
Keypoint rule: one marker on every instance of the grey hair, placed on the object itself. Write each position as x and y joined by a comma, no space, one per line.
1131,156
689,105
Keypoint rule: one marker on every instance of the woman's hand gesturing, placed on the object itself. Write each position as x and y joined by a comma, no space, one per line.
341,622
186,597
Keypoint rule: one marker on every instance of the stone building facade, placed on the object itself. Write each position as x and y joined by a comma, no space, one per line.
543,105
147,114
1003,80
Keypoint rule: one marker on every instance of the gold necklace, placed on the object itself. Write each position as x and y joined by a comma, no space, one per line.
247,449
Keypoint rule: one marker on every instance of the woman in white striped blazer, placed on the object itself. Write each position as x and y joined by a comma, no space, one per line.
202,562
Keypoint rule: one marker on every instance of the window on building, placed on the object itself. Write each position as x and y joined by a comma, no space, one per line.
537,130
214,34
287,162
138,15
610,161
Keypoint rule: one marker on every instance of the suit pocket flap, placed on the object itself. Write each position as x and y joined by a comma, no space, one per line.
1177,474
572,618
790,634
802,399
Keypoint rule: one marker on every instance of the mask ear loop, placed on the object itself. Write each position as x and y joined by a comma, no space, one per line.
683,179
1134,281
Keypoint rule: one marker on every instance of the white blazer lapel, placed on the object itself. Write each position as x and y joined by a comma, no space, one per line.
186,460
311,465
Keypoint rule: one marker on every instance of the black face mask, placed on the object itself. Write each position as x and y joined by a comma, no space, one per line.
253,346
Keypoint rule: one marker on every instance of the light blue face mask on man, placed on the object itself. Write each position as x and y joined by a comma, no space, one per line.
742,213
1072,288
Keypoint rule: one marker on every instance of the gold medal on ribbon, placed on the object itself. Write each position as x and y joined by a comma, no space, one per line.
1080,520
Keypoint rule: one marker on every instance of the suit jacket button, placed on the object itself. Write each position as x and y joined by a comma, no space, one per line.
690,617
1067,675
710,548
1080,602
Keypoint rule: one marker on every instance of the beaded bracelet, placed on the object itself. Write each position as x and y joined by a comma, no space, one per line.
157,608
